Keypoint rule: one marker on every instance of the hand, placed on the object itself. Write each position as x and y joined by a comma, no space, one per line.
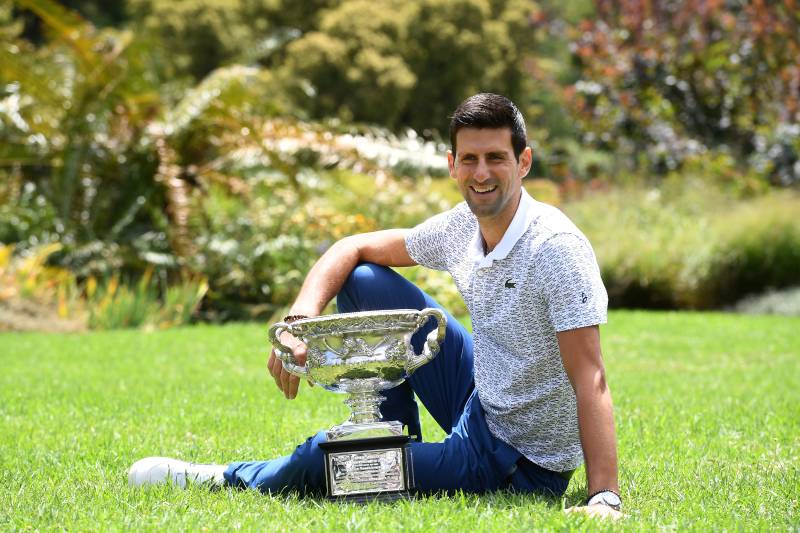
286,382
597,510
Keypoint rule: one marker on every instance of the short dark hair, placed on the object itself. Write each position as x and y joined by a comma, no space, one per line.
490,111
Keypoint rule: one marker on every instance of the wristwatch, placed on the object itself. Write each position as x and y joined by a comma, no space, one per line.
605,497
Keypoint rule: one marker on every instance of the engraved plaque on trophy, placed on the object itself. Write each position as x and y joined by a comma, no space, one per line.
361,354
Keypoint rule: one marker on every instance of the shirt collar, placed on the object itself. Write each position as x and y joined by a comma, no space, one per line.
525,214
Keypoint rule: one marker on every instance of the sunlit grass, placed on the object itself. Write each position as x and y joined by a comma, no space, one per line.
706,408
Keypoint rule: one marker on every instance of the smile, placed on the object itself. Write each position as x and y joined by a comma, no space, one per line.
483,190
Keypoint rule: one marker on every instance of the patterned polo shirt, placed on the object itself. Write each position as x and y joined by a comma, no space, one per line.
540,279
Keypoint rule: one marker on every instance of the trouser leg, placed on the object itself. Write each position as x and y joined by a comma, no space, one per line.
472,459
301,471
444,384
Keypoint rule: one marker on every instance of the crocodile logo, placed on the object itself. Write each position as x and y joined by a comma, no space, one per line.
510,284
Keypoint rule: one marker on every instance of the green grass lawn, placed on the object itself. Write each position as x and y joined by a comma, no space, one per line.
707,409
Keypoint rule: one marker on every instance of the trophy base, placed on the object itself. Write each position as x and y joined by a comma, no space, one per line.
373,469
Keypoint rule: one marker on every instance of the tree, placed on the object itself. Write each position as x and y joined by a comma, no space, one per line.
202,35
408,64
673,79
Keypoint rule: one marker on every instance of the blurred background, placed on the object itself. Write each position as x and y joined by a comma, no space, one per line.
163,162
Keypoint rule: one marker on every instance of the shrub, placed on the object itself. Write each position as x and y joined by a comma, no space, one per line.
34,295
757,249
256,249
690,247
114,305
439,285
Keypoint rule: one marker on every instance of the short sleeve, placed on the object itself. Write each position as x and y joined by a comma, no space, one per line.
571,282
426,243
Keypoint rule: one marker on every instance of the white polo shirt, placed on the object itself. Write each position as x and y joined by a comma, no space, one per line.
540,279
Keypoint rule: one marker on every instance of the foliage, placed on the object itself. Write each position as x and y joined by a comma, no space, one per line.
111,148
705,410
689,246
409,63
41,297
29,286
212,182
664,81
204,35
757,248
72,128
397,64
257,247
115,305
439,285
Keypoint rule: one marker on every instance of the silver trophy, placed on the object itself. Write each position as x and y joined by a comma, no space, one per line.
361,354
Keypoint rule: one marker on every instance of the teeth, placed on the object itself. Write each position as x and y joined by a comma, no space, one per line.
483,189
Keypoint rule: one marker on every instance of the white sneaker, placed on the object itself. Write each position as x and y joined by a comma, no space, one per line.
158,470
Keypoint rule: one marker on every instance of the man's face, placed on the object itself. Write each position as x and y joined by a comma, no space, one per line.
487,173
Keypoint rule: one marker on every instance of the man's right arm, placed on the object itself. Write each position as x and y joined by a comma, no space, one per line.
325,280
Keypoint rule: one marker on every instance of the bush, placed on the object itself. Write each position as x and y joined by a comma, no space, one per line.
757,249
256,249
439,285
34,296
658,87
408,64
147,303
690,248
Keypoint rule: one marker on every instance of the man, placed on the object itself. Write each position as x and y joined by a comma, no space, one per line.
524,399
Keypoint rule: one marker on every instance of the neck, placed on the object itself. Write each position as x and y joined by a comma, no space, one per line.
493,228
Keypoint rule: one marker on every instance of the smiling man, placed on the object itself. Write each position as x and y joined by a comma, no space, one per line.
523,399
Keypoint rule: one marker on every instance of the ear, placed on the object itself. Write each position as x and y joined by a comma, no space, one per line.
451,163
525,161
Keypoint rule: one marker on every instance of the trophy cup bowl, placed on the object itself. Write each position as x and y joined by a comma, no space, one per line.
361,354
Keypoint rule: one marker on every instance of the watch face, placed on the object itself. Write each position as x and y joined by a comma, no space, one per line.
606,498
611,499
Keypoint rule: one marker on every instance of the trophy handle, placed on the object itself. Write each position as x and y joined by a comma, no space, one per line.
283,352
432,342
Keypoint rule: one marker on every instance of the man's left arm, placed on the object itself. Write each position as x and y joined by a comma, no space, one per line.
583,362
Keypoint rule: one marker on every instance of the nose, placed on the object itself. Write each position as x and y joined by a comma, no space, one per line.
481,171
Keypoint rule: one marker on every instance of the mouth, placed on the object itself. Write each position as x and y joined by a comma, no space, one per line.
483,190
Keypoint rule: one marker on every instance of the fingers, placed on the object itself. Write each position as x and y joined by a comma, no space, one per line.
596,511
275,367
289,385
286,382
300,353
278,373
290,382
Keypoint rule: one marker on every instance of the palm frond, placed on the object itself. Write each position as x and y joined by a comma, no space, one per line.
178,195
67,26
213,90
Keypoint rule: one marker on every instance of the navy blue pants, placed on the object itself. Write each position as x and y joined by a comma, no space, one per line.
469,459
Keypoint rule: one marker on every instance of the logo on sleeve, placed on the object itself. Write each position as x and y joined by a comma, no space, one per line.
584,298
510,284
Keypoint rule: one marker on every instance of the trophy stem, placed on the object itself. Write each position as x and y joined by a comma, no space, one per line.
364,407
